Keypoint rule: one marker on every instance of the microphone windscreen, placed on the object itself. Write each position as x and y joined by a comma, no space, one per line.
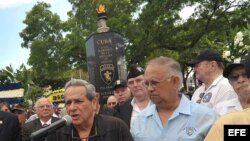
68,119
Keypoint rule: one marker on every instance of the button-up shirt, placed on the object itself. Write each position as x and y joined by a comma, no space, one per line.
189,122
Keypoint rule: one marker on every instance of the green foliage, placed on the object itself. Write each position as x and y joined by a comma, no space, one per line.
44,36
33,93
58,48
7,75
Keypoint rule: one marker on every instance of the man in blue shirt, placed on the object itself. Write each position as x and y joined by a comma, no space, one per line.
173,117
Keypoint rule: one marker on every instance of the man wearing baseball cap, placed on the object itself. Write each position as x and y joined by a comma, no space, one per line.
237,77
208,68
123,95
19,110
121,91
238,74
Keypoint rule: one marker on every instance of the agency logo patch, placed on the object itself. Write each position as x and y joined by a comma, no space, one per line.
236,132
107,72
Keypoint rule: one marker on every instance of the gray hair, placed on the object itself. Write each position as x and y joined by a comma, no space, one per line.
38,101
172,66
91,93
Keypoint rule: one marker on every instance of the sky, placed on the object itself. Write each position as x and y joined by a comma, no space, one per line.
12,14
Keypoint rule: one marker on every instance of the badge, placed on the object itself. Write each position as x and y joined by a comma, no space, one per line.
107,73
190,130
207,97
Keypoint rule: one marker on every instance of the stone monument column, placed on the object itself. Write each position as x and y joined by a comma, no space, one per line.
106,61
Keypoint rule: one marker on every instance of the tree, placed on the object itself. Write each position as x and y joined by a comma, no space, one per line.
159,28
152,28
43,36
23,76
7,75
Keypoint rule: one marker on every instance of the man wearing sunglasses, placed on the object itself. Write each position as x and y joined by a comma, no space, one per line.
238,75
173,116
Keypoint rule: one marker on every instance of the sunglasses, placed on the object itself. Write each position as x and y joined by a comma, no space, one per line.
236,77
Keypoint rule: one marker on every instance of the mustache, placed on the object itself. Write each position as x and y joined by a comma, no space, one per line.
243,85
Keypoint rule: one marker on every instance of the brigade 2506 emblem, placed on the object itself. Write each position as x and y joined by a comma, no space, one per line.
107,72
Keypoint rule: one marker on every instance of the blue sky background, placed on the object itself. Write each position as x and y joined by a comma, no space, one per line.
12,13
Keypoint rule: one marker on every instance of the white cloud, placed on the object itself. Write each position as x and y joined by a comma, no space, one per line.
5,4
186,12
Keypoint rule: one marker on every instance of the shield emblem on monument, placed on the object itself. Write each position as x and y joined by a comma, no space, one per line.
107,73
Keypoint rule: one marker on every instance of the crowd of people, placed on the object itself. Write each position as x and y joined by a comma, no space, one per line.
147,106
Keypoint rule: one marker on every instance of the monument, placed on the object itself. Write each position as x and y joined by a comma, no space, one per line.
105,56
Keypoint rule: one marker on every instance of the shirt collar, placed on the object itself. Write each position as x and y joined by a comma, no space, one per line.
215,82
133,103
184,107
48,122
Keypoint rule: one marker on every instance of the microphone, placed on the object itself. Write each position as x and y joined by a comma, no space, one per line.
65,120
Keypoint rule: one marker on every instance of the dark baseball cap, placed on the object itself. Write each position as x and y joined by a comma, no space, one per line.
18,107
206,55
244,61
119,83
134,71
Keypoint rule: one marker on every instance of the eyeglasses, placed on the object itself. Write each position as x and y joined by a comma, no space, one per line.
154,83
112,103
86,138
236,77
200,97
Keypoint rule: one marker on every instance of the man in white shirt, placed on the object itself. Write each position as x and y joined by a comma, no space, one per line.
141,100
208,68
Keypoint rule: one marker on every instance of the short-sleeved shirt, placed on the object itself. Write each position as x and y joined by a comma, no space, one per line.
190,122
219,91
217,131
232,105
